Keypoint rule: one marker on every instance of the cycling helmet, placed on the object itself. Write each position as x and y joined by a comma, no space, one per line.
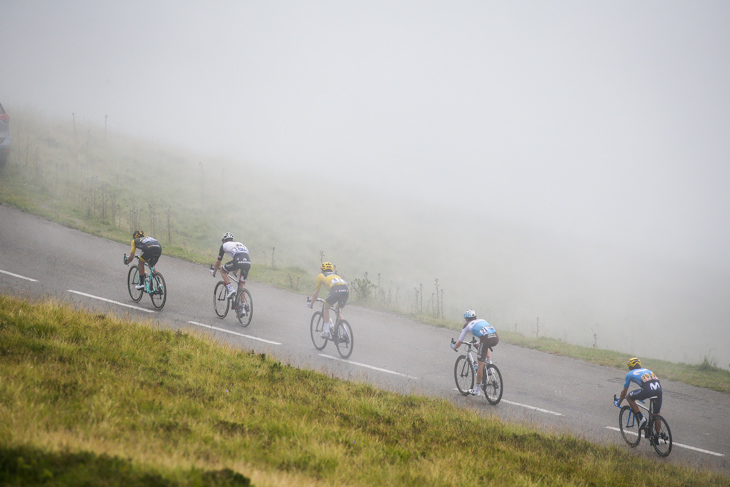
327,267
470,315
634,363
227,236
138,234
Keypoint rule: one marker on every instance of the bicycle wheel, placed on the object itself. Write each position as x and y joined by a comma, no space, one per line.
158,290
629,426
463,375
315,329
344,338
244,307
662,441
492,384
220,301
132,281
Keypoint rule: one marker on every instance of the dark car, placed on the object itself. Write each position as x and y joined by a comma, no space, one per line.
5,140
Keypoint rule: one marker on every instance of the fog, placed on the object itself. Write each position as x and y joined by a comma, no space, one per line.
568,160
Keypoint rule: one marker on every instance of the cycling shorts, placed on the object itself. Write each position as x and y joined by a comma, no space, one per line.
338,292
649,389
241,263
486,342
151,255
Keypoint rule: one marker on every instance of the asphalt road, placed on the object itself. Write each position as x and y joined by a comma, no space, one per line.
39,258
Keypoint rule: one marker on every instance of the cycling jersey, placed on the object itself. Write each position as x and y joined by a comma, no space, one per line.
649,387
233,248
486,334
338,290
151,249
639,377
478,328
240,258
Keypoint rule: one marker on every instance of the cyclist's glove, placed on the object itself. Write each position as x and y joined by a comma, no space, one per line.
212,272
615,403
309,305
125,259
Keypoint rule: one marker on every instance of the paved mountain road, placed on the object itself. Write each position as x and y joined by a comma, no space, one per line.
39,258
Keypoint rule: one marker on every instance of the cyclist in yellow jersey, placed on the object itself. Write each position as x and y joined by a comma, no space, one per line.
338,291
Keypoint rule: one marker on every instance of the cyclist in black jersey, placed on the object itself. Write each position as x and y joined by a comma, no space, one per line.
151,252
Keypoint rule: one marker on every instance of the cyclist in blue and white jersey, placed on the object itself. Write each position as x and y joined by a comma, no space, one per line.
649,387
240,261
487,336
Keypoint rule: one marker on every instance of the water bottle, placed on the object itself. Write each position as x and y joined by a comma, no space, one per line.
476,365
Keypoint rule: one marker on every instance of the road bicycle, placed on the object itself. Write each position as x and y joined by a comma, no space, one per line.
340,332
656,428
465,371
154,284
241,302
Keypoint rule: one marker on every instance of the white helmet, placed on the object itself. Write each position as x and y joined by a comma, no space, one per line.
470,314
227,236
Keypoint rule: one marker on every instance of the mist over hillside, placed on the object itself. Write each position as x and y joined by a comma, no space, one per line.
561,169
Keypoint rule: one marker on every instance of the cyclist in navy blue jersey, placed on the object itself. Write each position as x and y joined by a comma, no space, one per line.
649,386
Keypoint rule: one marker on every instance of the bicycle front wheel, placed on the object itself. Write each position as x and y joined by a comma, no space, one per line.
132,281
344,339
220,301
629,426
316,328
463,375
492,384
244,307
158,292
662,441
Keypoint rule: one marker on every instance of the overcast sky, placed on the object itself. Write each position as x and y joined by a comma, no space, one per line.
604,120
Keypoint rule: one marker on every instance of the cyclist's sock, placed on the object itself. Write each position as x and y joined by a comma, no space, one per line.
141,278
230,288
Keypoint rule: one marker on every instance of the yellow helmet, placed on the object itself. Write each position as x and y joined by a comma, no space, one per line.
327,267
634,363
138,234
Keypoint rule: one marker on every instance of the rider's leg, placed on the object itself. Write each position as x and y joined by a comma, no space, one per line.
140,271
480,371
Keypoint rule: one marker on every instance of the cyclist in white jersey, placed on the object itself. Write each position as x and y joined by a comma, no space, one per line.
240,261
487,336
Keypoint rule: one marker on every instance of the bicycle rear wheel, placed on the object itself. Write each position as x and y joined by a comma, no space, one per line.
316,328
344,338
132,281
244,307
158,292
220,301
492,384
662,441
629,426
463,375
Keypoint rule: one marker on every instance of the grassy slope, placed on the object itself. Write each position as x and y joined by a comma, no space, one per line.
89,398
89,181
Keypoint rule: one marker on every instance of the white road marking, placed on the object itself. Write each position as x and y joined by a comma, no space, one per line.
675,443
18,276
232,332
546,411
367,366
109,301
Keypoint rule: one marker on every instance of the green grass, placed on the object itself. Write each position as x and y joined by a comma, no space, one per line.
91,399
89,181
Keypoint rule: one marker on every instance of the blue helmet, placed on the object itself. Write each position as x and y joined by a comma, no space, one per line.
470,315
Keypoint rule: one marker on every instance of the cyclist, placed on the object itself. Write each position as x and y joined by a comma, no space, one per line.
239,261
487,336
650,387
338,291
151,252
